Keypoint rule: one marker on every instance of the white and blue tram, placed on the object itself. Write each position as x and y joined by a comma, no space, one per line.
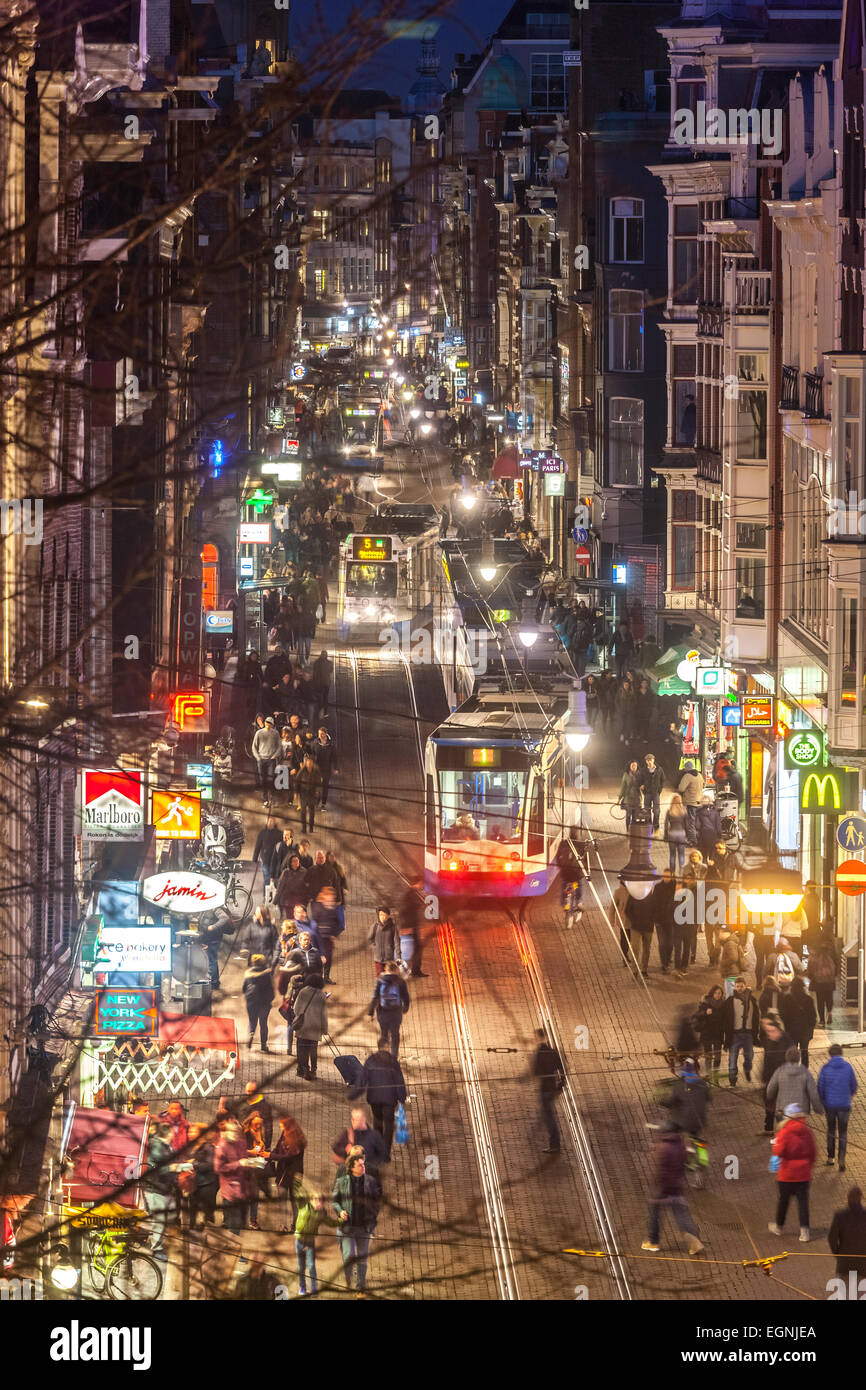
497,790
387,570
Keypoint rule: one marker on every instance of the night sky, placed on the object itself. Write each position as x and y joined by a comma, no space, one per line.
461,28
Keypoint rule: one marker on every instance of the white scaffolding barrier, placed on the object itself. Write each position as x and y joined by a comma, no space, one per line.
193,1056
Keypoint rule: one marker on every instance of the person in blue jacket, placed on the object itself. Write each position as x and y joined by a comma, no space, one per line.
837,1087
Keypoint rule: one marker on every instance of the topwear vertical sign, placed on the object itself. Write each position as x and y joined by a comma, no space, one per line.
189,634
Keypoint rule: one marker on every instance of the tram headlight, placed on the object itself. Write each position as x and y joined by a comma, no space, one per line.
346,450
370,610
352,616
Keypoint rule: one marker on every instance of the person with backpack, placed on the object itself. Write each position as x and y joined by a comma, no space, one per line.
383,939
784,964
793,1084
799,1016
386,1089
691,789
732,959
389,1003
837,1087
822,975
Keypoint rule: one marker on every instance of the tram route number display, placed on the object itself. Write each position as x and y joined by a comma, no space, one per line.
372,549
483,757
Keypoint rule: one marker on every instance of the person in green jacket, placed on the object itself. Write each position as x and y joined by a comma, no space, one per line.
312,1212
630,793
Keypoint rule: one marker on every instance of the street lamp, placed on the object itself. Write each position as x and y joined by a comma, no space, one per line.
426,428
771,890
640,875
578,731
527,636
468,500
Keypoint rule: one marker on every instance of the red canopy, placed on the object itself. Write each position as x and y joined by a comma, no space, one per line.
506,465
198,1030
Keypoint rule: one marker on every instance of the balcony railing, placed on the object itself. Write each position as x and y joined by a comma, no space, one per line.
790,388
709,467
710,322
753,291
814,406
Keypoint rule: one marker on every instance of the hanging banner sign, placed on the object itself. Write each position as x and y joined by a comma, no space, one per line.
112,804
126,1013
184,892
176,815
132,949
804,748
757,713
827,792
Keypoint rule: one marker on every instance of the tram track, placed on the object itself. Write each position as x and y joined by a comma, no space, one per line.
485,1151
579,1138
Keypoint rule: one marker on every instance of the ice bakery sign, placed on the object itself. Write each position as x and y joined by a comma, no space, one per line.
112,804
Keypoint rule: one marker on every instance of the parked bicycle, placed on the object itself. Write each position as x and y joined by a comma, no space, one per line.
116,1263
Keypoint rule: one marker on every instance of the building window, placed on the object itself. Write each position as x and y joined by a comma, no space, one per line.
751,426
751,572
851,462
686,254
626,229
626,442
751,536
684,557
548,82
320,280
626,330
684,396
683,505
848,652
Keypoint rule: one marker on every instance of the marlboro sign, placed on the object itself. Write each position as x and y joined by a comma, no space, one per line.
112,804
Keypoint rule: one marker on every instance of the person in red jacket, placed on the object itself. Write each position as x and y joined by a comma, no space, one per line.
793,1160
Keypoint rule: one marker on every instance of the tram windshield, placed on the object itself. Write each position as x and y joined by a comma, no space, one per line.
481,805
371,581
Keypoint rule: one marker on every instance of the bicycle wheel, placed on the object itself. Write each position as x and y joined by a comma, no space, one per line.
134,1275
97,1275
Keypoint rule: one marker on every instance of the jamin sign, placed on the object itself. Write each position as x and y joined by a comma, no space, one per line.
176,815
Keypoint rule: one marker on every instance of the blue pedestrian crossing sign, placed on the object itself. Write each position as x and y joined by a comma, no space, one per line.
851,833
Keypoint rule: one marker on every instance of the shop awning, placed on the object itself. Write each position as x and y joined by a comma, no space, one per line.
663,675
506,465
103,1148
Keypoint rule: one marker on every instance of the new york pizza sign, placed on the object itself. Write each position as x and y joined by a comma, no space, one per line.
112,804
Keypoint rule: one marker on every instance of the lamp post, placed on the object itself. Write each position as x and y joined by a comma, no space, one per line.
640,875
